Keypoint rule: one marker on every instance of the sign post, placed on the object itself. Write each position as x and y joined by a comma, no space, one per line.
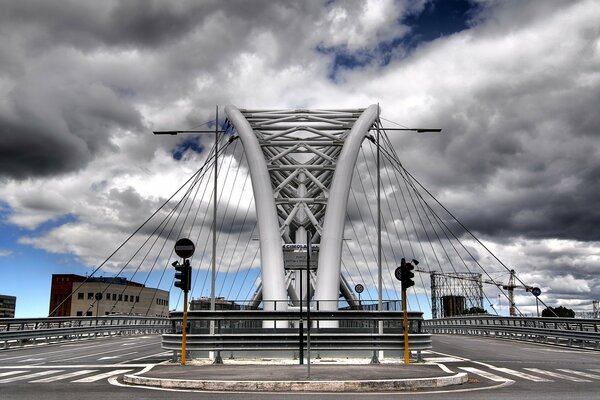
184,248
359,288
294,259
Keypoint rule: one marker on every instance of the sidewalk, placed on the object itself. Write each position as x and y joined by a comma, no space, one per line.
256,376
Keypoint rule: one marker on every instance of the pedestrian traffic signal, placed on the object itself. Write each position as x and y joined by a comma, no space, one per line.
183,275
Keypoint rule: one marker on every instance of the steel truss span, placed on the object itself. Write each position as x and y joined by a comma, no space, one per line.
301,164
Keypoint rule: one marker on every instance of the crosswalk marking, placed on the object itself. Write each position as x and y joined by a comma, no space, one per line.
587,375
487,375
520,374
95,378
12,373
64,376
29,376
557,375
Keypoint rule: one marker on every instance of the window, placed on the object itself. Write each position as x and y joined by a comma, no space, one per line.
114,296
131,299
80,313
80,296
137,299
90,296
88,313
126,297
120,297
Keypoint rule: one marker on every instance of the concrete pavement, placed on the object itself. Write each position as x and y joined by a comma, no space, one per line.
273,377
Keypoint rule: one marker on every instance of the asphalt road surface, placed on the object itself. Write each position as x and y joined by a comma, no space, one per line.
498,369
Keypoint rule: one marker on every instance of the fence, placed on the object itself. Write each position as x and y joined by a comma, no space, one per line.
570,332
242,331
19,331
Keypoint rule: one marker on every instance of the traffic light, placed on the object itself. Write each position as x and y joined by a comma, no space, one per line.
407,276
183,275
404,274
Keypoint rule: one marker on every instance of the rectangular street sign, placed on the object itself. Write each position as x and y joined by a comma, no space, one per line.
294,256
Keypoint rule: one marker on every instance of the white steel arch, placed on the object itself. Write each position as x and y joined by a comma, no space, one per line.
301,164
328,282
273,287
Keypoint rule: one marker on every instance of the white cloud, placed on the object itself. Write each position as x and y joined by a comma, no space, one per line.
516,96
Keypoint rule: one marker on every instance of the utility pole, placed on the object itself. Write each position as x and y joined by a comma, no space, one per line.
217,357
379,269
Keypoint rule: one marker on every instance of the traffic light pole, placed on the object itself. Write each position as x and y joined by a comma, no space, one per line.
183,330
404,274
405,325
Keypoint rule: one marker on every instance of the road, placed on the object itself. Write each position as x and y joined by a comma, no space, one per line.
497,368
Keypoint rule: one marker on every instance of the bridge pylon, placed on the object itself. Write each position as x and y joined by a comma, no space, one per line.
301,164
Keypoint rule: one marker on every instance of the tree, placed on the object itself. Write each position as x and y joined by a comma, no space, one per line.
474,310
561,311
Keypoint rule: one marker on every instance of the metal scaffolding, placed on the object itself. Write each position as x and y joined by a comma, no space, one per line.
453,293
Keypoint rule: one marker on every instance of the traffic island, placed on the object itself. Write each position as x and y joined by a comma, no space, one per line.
389,377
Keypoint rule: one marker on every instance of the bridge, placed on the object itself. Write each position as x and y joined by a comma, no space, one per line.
300,218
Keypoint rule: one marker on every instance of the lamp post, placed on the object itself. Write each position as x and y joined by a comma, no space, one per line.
217,359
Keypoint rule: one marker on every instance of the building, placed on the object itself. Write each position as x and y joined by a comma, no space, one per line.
203,303
7,306
76,295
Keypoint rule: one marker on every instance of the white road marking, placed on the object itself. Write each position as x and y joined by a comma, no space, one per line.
557,375
118,365
82,345
117,356
164,353
29,376
64,376
12,372
98,354
519,374
32,359
95,378
444,359
587,375
487,375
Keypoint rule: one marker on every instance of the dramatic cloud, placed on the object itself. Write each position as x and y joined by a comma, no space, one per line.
514,85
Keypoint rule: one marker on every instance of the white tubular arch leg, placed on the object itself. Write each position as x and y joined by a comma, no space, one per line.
330,253
274,293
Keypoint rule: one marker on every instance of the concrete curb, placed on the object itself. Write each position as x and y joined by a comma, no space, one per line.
374,385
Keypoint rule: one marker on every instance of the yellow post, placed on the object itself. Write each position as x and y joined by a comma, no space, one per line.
183,330
405,325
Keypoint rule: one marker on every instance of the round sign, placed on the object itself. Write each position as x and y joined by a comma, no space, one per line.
398,273
359,288
98,296
184,248
536,291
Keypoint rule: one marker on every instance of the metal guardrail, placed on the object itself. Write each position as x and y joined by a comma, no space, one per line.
19,331
584,333
241,331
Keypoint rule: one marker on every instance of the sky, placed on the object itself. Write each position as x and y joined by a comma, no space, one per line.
514,85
